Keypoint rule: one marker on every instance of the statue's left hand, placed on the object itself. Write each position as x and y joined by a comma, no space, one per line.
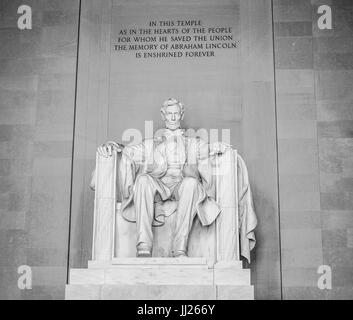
219,148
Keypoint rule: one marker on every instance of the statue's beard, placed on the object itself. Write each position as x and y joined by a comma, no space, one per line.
172,125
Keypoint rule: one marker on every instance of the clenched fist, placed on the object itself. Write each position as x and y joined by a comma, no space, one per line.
219,148
106,150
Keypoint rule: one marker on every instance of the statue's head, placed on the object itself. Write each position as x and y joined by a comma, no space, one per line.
172,113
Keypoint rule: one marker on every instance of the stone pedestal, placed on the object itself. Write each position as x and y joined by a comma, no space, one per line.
160,279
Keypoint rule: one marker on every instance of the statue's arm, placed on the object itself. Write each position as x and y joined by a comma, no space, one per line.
219,148
207,150
133,154
105,150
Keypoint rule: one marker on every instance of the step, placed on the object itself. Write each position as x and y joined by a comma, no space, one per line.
152,275
231,276
235,292
135,275
158,292
157,262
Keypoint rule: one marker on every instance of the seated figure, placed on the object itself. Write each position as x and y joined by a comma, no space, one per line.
173,174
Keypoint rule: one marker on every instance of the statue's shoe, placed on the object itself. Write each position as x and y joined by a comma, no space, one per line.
180,254
143,254
144,251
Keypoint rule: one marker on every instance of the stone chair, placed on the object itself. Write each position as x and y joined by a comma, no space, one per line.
114,237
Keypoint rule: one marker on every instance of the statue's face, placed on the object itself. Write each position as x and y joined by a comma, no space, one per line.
172,117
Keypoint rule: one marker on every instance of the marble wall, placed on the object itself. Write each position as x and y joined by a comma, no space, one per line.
314,73
313,76
37,94
234,90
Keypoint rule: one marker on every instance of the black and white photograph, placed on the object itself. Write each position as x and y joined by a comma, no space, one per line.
176,150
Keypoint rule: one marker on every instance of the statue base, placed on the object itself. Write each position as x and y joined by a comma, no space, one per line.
160,279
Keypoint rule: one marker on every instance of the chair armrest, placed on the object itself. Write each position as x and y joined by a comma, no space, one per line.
104,183
227,197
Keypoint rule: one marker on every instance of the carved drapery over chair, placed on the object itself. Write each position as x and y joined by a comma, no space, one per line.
228,238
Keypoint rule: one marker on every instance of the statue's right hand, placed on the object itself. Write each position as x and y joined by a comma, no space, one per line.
106,150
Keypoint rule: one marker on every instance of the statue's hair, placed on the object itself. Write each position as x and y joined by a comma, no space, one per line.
172,102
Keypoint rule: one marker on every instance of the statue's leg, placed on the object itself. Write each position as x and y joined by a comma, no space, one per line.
188,194
144,193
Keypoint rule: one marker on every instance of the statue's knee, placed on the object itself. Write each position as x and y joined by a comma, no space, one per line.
190,183
143,180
